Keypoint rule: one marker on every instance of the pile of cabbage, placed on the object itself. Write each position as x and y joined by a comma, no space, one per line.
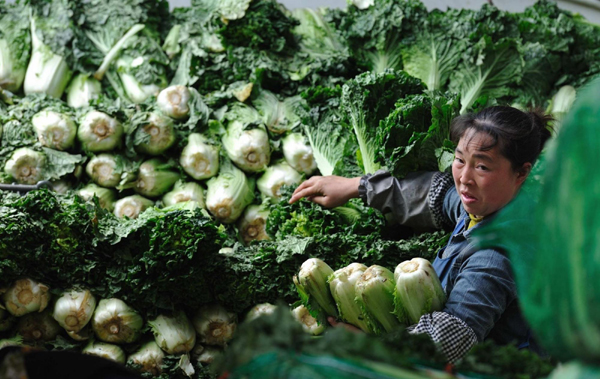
172,139
111,329
374,299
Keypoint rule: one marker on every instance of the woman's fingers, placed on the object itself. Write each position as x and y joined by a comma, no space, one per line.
333,322
305,189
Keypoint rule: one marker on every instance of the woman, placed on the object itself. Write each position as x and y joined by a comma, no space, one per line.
495,151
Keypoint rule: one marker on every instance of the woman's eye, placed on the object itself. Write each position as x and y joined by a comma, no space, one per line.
457,159
482,168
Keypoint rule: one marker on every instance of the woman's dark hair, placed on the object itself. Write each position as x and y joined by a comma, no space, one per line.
520,135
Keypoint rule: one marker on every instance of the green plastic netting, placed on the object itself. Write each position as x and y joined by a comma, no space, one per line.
278,365
551,232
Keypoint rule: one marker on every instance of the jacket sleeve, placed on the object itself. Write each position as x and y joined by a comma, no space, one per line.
419,200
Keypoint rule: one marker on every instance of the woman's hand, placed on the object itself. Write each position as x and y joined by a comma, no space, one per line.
333,322
328,191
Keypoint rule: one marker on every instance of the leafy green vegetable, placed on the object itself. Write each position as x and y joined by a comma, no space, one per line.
333,145
376,34
266,25
415,135
367,100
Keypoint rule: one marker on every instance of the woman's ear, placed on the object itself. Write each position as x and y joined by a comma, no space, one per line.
523,172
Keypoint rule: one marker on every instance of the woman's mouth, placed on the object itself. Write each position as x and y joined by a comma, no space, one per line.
467,198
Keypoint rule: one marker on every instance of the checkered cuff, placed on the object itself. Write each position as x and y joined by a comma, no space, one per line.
440,184
453,335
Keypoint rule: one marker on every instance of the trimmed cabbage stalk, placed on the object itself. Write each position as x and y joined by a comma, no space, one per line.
82,335
298,153
54,130
106,196
199,158
149,358
6,320
82,90
47,72
131,206
116,322
342,285
26,296
183,192
38,327
308,322
375,295
252,224
246,140
99,132
26,166
174,334
311,283
215,326
260,310
104,170
229,193
155,136
174,101
105,350
155,178
209,354
74,309
418,290
276,176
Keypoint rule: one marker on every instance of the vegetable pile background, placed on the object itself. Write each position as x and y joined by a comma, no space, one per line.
173,140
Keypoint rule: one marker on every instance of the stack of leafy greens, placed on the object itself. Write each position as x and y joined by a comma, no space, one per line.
173,141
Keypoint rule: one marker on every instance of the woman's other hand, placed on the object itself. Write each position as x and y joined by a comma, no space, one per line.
336,324
328,191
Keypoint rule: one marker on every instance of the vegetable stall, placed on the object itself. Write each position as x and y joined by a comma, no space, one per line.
172,141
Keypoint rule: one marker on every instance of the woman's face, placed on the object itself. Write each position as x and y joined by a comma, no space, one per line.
485,180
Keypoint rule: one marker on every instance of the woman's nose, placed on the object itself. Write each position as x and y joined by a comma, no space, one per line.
466,176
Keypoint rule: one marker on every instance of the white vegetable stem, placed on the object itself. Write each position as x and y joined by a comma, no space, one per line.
26,166
74,309
215,326
82,90
132,206
99,132
47,72
105,350
276,176
174,101
308,322
199,158
54,130
299,154
149,357
103,170
342,285
26,296
418,290
116,322
252,225
174,334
